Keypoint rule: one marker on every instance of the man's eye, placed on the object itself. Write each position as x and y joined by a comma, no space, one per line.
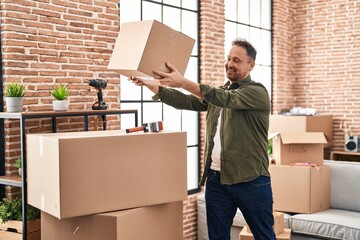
235,60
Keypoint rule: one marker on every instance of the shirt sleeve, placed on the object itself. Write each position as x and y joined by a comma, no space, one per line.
179,100
250,96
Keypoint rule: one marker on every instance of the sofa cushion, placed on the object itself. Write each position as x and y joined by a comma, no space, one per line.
344,185
330,224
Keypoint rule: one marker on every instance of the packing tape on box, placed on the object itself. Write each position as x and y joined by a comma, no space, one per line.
76,230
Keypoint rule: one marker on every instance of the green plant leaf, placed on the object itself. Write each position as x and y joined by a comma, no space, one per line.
60,92
14,90
11,209
18,163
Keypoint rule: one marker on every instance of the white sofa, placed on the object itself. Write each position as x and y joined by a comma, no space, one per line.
341,221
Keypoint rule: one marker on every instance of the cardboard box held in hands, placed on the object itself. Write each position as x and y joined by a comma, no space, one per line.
144,46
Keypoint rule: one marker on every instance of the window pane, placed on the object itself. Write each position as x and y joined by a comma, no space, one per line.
189,125
189,27
151,11
262,74
129,121
265,49
191,72
243,11
171,18
230,35
190,4
128,90
192,168
152,112
266,14
130,11
243,31
230,10
172,2
255,13
255,38
147,94
172,118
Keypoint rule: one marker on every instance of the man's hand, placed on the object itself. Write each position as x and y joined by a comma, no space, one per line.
173,79
151,84
176,80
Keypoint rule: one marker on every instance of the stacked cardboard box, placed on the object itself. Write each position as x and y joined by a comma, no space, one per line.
299,124
161,222
139,179
280,232
300,181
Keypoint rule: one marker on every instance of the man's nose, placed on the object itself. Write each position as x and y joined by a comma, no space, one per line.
229,62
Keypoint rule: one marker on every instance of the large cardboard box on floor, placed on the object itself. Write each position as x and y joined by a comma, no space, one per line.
300,189
160,222
318,123
307,147
245,234
144,46
75,174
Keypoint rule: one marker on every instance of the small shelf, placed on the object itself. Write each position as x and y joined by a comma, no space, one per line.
18,181
345,156
11,180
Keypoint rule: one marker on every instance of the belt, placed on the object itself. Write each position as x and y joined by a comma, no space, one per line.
217,172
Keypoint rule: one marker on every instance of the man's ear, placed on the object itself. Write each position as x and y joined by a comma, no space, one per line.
252,65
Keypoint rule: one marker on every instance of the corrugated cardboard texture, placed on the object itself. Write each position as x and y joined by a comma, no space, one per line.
245,234
319,123
300,189
160,222
144,46
305,147
70,175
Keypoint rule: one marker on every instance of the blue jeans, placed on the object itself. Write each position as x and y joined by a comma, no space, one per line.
253,198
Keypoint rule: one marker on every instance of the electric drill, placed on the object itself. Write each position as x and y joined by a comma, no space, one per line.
99,84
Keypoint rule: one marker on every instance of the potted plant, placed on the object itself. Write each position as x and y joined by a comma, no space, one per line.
11,219
14,95
60,93
18,166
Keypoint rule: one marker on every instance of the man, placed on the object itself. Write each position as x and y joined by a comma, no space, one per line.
236,161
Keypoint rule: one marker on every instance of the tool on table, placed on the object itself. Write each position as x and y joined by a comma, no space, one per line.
147,127
99,84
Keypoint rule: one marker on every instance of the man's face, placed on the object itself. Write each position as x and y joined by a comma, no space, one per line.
238,64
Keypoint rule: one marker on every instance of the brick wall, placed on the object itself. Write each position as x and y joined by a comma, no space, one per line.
315,60
45,43
283,60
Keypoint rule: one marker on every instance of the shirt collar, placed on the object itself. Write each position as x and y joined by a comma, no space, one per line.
228,85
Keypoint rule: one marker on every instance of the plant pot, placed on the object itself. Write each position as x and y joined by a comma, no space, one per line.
20,171
60,105
14,104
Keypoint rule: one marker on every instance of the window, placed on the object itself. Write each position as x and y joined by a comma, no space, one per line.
182,16
252,20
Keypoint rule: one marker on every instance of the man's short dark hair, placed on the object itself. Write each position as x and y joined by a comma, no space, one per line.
250,50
